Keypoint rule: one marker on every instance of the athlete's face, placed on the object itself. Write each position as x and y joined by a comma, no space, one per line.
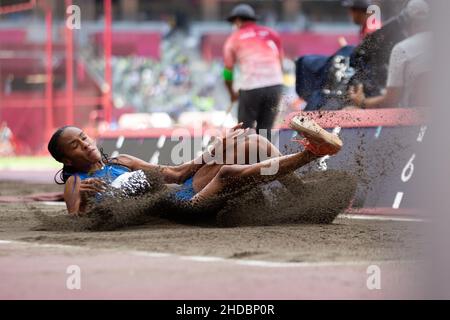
80,151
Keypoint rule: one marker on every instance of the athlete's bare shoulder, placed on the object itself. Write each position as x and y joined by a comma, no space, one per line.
132,162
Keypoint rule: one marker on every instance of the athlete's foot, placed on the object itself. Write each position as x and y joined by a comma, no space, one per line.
318,141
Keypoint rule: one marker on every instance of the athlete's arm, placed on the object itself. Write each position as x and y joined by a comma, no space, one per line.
77,193
170,174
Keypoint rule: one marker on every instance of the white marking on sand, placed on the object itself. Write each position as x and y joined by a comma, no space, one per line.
380,218
150,254
201,258
272,264
248,263
53,203
43,245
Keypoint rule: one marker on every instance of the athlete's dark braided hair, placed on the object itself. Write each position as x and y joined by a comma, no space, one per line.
55,150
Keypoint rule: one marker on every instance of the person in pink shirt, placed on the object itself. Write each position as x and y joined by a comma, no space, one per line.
258,52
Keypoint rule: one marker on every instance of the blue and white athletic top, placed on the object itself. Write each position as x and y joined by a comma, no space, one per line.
133,182
108,173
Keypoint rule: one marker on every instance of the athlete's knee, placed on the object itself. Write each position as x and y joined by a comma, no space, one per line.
255,137
266,149
226,172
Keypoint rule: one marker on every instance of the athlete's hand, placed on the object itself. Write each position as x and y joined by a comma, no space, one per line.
91,186
238,126
78,193
232,133
236,132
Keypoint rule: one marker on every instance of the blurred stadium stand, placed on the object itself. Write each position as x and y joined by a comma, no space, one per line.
166,57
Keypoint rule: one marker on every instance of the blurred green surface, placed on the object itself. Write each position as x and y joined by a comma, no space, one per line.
28,163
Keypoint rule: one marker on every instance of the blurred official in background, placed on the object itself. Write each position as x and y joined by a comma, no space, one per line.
359,14
258,53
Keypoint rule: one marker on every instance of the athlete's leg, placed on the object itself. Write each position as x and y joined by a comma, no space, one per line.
266,150
249,150
231,177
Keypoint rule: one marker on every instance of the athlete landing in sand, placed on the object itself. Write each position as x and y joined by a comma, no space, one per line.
86,170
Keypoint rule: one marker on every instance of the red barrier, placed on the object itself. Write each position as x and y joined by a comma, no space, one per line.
359,118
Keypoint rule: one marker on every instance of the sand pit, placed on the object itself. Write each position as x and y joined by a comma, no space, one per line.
343,240
318,199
